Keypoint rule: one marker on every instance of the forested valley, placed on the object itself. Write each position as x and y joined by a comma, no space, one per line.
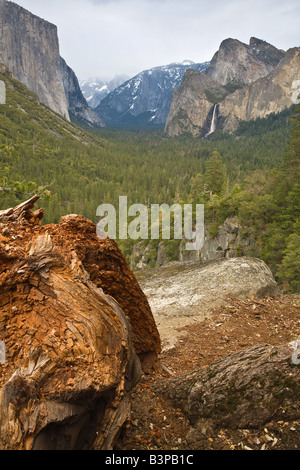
253,174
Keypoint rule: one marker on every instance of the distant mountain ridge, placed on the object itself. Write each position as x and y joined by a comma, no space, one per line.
95,90
243,82
29,48
145,100
188,97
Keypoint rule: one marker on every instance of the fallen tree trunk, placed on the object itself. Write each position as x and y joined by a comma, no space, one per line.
245,389
68,358
70,362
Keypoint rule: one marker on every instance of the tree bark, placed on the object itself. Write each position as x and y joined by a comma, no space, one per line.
245,389
70,358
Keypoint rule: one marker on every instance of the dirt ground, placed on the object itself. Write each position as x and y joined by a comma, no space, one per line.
156,425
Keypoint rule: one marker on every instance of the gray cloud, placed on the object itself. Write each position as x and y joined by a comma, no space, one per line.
105,37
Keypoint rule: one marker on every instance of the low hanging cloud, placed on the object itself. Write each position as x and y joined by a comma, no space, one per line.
106,37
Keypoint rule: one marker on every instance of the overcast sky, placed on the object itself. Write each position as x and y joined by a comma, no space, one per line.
102,38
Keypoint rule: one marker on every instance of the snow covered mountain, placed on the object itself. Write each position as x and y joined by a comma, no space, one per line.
145,100
95,90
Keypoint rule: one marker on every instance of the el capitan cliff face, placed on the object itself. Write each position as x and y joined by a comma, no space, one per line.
29,48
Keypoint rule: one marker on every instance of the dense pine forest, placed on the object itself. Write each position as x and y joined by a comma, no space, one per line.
253,174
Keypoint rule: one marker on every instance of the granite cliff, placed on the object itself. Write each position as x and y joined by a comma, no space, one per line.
243,63
77,105
243,82
226,244
271,94
29,48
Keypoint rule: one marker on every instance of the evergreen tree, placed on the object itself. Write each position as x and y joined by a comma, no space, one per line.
282,241
216,175
289,269
197,189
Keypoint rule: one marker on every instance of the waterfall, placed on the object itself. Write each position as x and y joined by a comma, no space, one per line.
213,124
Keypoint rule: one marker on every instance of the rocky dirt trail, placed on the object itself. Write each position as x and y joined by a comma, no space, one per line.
156,425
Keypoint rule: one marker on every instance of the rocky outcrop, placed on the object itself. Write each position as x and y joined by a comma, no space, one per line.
29,48
271,94
227,243
242,390
192,106
77,104
236,62
71,352
246,82
185,293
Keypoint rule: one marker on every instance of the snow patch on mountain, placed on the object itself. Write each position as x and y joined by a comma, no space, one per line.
145,99
95,90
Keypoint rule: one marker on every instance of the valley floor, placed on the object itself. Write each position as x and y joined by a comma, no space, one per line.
156,425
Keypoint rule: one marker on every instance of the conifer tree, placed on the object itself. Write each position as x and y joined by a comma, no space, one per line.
281,239
215,176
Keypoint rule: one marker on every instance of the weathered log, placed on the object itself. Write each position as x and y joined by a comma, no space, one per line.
70,359
245,389
22,210
103,261
69,356
108,269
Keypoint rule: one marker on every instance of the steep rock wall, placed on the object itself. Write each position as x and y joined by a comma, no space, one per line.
191,109
29,48
243,63
271,94
77,104
272,81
